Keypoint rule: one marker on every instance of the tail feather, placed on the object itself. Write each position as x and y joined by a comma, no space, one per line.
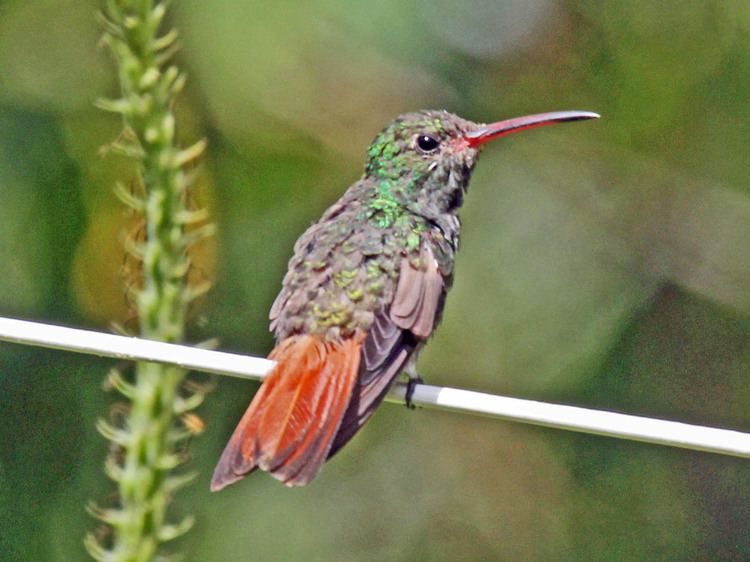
289,415
302,465
289,426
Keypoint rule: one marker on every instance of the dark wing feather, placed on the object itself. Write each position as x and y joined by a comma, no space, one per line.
382,338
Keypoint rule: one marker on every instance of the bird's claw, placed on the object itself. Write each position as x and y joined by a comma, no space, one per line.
411,385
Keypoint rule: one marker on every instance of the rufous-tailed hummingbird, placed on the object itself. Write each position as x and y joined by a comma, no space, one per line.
364,291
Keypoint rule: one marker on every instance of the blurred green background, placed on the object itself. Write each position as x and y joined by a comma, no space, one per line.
604,264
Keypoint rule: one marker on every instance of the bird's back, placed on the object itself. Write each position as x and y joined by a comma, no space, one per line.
346,267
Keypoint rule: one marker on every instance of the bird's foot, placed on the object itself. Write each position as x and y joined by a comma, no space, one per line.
411,384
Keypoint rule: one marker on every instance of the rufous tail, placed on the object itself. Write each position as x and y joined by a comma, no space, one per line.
291,422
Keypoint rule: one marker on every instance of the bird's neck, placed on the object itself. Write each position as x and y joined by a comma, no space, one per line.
386,199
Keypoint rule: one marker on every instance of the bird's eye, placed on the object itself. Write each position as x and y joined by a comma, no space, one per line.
427,143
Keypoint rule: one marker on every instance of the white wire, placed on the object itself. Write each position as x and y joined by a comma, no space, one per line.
622,426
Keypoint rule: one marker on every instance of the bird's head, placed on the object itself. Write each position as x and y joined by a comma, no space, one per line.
426,158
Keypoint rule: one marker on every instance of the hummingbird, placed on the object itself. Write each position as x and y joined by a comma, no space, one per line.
364,291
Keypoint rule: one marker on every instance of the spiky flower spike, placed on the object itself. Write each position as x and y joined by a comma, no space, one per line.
364,292
148,436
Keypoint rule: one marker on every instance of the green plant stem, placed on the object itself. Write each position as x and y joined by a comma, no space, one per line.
149,438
